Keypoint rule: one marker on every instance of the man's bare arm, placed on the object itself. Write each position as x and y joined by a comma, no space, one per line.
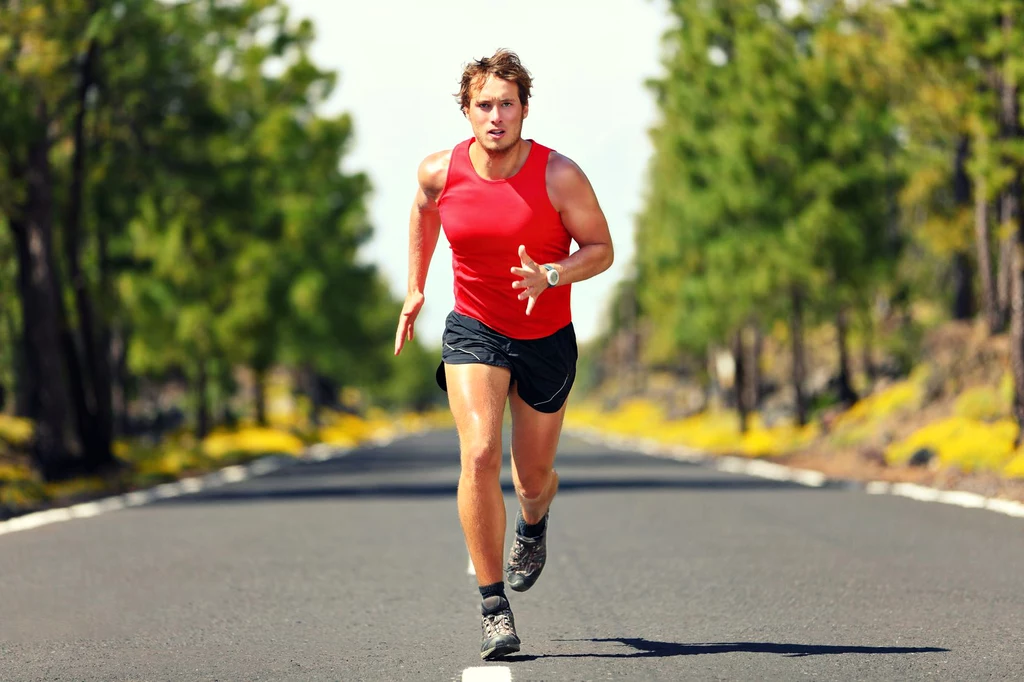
424,229
573,197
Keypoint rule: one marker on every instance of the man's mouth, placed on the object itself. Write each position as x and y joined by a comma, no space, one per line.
496,133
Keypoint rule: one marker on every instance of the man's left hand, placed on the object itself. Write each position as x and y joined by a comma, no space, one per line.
534,279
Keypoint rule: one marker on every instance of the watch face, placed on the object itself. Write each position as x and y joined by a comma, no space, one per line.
552,277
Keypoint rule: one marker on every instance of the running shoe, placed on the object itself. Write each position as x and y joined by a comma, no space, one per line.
499,629
526,559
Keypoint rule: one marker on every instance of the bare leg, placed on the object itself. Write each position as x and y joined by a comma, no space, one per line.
534,443
477,394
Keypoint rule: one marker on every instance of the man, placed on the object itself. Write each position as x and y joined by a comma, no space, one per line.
510,208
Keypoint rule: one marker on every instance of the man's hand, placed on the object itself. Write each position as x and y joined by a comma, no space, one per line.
407,320
534,279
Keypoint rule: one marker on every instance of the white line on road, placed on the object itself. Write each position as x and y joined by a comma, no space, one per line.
231,474
495,673
472,569
780,472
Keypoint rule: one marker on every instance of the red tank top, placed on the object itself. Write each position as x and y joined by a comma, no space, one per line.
485,221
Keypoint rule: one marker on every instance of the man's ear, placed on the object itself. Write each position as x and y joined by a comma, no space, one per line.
526,110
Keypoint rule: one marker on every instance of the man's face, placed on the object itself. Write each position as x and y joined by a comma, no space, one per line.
496,114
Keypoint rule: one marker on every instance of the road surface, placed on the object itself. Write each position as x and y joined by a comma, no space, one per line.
355,569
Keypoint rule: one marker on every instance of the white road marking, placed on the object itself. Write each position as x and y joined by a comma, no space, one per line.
1007,507
495,673
231,474
916,492
472,569
816,479
963,499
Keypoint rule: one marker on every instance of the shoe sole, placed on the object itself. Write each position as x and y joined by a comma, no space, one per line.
524,584
499,651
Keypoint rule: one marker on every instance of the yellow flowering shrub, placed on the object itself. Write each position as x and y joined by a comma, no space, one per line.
982,403
1015,468
966,444
716,432
76,487
21,492
165,461
862,420
14,472
251,440
16,430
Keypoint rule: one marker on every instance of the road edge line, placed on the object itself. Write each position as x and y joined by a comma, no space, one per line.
806,477
318,452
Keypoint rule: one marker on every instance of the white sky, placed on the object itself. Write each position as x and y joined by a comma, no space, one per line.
399,63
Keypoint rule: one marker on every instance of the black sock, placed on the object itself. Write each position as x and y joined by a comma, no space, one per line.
531,530
493,590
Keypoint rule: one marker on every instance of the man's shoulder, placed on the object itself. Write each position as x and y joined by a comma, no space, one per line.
433,170
562,171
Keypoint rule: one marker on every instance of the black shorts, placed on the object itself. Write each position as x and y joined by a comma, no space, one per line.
543,369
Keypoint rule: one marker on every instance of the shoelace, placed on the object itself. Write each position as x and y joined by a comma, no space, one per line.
499,623
521,554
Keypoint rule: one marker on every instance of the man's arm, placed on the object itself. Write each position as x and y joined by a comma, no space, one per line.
573,197
424,229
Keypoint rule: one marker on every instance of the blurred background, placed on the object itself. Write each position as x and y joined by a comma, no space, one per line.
203,228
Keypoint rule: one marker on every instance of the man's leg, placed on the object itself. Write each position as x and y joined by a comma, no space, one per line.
477,394
534,444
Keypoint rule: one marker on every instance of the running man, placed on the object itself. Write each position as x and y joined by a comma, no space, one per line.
510,208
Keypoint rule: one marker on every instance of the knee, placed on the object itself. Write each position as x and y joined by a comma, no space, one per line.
481,459
535,482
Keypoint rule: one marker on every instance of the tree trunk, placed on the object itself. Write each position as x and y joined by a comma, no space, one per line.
97,422
1003,276
753,369
963,287
963,278
713,394
740,380
847,396
983,242
260,394
867,349
202,401
54,450
796,326
1010,129
1017,324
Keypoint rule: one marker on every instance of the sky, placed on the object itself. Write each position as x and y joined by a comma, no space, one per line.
399,63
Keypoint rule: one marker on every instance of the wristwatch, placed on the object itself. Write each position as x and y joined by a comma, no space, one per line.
552,275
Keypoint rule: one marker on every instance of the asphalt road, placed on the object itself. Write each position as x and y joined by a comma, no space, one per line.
355,569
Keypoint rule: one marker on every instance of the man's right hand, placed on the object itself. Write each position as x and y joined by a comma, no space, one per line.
407,320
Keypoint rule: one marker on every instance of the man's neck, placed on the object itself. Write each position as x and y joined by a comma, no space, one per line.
499,165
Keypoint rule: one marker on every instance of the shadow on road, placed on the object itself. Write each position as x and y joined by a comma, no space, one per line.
645,648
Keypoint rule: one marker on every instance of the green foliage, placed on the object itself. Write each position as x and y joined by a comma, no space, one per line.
219,229
772,169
